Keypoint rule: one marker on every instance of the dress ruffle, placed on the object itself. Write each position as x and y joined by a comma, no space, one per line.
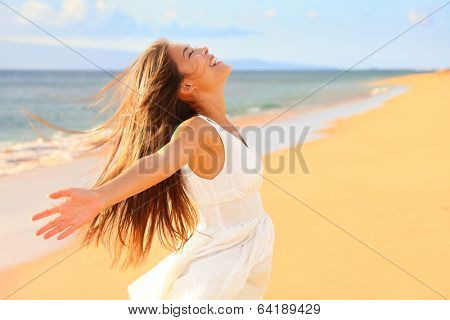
214,266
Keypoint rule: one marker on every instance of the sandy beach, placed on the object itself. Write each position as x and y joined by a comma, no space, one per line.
368,220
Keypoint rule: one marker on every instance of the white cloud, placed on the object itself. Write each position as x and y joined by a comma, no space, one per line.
73,10
157,14
42,13
36,11
269,14
312,14
148,12
170,15
415,16
103,7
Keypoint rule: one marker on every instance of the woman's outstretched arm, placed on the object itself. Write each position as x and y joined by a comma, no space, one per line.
154,168
84,204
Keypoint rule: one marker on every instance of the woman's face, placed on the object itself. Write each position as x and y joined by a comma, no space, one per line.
197,65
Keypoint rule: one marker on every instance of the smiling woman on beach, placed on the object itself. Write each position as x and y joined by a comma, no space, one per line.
174,149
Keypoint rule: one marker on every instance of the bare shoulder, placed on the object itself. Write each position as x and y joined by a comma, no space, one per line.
194,128
197,131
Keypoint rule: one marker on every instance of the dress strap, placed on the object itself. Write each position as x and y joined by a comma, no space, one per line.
215,125
221,129
202,116
206,118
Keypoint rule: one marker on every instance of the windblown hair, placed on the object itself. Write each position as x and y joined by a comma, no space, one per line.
148,113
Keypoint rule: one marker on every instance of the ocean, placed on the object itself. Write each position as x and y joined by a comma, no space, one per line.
63,97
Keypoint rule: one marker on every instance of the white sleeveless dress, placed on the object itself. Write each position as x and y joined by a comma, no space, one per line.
229,255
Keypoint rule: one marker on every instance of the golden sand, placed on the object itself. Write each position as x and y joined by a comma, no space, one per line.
374,207
370,220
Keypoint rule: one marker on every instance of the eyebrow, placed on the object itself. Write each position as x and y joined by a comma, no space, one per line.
184,50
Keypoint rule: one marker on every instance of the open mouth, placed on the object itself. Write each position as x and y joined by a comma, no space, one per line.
213,62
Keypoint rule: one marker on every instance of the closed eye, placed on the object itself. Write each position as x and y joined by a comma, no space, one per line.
190,54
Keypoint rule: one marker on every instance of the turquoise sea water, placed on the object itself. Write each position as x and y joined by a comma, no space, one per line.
63,99
62,96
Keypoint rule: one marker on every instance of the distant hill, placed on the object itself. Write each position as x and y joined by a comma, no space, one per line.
42,57
257,64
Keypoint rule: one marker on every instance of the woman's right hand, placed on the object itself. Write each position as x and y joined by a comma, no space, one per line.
80,207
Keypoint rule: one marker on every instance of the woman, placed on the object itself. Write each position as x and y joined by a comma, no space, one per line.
180,168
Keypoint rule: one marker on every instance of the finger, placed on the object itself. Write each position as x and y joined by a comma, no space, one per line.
60,193
48,226
55,230
46,213
67,232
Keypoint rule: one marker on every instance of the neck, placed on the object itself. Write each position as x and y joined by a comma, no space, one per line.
213,105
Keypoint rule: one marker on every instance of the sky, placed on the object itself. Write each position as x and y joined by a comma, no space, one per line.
305,32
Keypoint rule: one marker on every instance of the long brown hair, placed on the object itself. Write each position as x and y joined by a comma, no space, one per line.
148,112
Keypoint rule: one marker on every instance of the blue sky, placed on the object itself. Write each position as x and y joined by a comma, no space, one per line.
311,32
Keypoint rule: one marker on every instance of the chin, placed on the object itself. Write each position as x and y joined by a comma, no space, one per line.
227,67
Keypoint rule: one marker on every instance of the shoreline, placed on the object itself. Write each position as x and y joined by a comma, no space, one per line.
82,169
30,159
363,174
371,206
314,123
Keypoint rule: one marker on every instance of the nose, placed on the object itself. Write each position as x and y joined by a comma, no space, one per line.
205,50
